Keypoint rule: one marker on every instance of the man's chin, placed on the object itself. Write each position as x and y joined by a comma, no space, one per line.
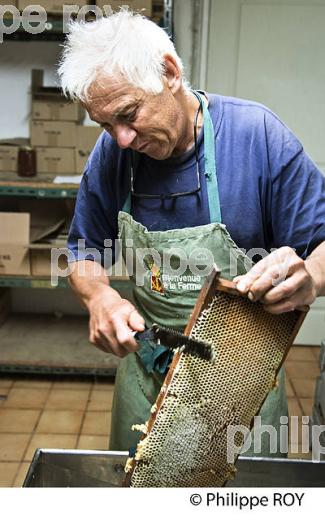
156,153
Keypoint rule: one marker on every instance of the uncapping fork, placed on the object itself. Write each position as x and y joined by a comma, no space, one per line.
173,339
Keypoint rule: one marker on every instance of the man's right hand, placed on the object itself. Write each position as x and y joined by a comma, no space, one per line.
112,320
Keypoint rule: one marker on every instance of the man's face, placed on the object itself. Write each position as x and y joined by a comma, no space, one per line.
148,123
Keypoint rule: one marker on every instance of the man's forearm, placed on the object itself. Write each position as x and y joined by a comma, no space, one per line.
112,319
88,280
315,264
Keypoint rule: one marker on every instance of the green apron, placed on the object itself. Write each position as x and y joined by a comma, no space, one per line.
168,300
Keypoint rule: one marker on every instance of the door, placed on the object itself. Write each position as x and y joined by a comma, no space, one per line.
274,52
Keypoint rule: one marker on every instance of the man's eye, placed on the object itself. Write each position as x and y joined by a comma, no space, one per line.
131,116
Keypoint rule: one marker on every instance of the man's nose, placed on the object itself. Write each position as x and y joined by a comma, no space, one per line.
124,135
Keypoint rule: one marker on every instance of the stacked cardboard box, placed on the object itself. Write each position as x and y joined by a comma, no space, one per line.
27,236
53,127
62,143
26,240
85,141
9,153
14,258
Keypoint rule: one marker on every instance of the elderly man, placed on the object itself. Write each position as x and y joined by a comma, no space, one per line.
178,171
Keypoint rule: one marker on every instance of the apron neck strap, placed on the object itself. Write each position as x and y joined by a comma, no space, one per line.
210,167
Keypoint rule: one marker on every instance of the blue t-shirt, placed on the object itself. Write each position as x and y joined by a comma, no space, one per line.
271,193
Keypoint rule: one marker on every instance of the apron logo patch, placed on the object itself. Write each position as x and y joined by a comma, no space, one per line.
155,280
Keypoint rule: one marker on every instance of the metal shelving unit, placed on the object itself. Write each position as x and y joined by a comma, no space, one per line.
54,26
12,186
38,190
53,30
30,282
39,282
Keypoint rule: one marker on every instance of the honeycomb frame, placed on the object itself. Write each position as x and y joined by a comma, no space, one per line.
184,444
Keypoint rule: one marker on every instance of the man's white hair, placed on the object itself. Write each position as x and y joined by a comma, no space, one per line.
123,44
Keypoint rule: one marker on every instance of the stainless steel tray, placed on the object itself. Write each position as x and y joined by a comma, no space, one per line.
83,468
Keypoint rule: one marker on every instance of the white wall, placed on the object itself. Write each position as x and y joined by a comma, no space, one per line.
191,19
183,29
16,61
273,52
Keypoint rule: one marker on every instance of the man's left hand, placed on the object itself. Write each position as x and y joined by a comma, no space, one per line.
281,281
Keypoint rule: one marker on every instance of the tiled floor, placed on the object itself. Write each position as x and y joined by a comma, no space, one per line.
52,413
302,369
49,413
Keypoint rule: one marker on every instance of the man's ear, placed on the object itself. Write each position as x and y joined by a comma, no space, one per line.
172,73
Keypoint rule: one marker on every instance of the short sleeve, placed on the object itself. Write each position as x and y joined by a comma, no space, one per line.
94,226
297,196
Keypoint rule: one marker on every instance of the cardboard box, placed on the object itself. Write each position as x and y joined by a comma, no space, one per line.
9,153
55,160
49,103
86,140
41,261
42,93
80,161
20,232
14,240
57,111
8,158
51,6
134,5
60,134
87,136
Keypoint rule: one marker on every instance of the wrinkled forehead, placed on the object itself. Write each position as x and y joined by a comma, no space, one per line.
111,97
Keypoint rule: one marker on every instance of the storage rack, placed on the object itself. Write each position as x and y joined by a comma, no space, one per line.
37,189
43,188
162,15
53,30
40,282
91,365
